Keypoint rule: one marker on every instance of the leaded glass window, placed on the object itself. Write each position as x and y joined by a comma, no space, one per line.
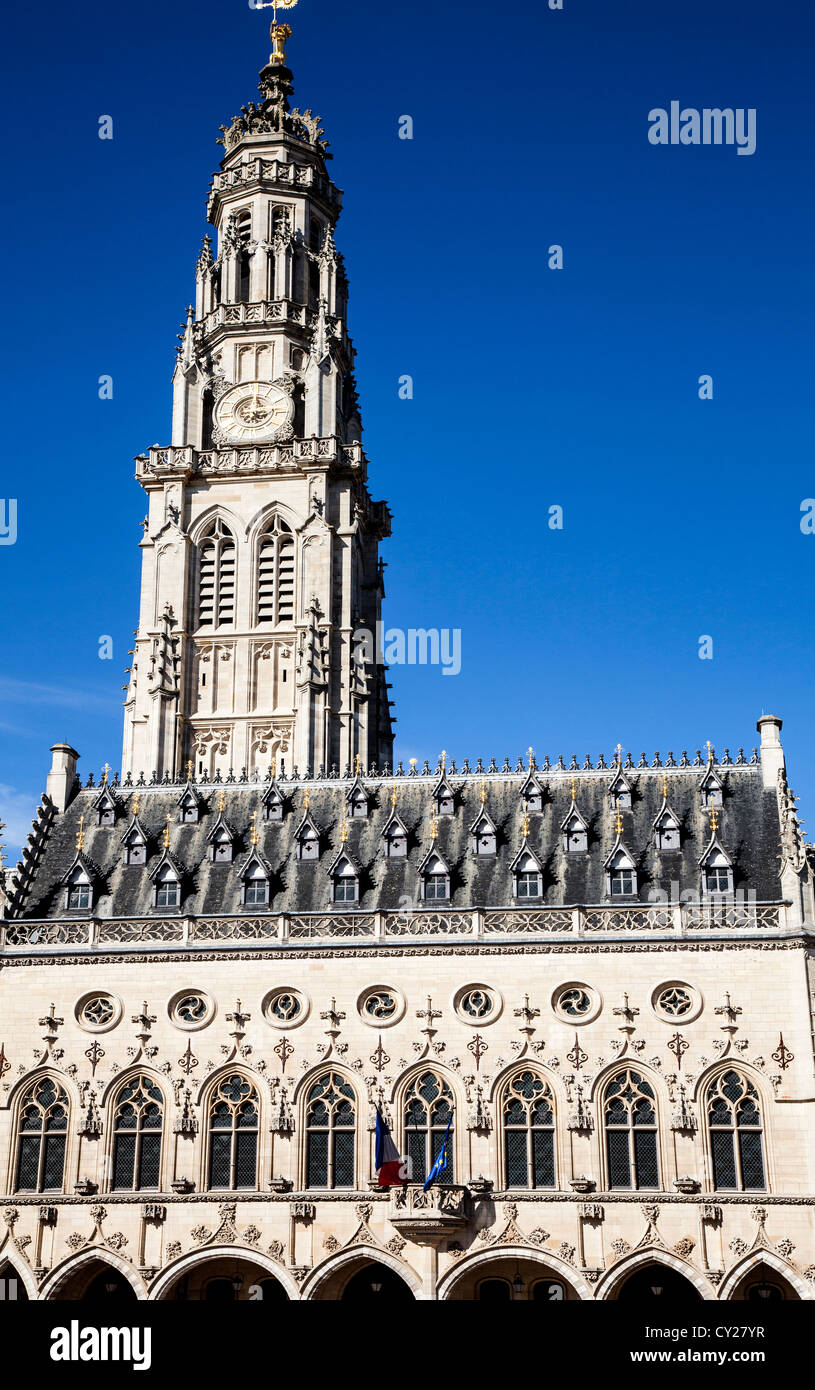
168,888
255,885
330,1132
80,891
428,1111
43,1135
529,1132
346,883
631,1132
736,1134
137,1127
233,1135
436,880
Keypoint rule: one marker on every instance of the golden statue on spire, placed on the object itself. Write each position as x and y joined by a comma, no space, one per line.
278,33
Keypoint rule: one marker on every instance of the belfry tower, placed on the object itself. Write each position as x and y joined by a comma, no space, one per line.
260,556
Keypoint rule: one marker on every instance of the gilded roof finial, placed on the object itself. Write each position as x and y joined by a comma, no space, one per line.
413,762
619,752
434,825
80,838
222,802
443,760
253,838
190,766
343,829
574,789
274,768
393,796
165,839
525,825
714,822
135,804
618,822
530,753
105,770
709,747
483,792
357,764
307,798
278,33
664,786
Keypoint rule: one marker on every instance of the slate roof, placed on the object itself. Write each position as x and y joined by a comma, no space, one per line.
748,829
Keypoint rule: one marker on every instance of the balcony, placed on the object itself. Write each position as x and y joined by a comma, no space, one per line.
423,1215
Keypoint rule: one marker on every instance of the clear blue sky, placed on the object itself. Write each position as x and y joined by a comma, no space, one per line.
532,387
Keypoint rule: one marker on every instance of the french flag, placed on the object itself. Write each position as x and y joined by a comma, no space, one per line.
390,1167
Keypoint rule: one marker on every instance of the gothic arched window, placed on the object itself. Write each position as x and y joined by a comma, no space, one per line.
137,1127
216,577
330,1132
631,1132
275,603
233,1134
43,1135
529,1132
736,1138
428,1111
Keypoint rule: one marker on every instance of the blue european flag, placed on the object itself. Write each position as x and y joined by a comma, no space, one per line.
441,1159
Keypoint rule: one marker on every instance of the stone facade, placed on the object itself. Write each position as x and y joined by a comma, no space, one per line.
218,966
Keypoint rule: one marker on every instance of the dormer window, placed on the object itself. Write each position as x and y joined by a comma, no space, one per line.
717,873
346,882
527,882
483,837
188,810
168,887
105,809
444,798
358,803
532,796
667,832
621,874
712,789
135,847
575,834
273,805
255,885
435,880
80,890
395,838
220,845
308,842
620,793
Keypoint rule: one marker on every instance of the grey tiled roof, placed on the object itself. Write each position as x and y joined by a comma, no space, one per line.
748,829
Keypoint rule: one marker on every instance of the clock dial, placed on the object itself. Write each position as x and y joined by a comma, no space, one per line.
253,411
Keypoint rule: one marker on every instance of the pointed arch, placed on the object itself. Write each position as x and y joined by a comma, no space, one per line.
734,1126
304,1097
334,1264
92,1254
329,1156
426,1099
526,1118
184,1264
632,1155
202,524
611,1282
42,1105
739,1271
11,1258
475,1259
232,1119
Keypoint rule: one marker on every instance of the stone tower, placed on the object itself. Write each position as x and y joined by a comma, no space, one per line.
260,556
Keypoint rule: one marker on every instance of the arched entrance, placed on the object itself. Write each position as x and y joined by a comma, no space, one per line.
375,1283
763,1284
657,1283
12,1288
507,1279
225,1279
96,1281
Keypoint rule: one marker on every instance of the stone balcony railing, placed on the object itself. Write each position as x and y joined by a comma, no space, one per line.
382,928
160,462
421,1215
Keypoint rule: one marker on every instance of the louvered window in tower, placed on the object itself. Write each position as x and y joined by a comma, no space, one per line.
276,575
244,229
216,578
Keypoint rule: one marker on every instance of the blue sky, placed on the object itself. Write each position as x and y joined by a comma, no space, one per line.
532,387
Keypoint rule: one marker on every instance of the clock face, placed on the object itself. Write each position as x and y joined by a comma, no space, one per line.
253,411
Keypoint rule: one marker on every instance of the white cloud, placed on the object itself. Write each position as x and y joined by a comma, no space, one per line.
31,693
